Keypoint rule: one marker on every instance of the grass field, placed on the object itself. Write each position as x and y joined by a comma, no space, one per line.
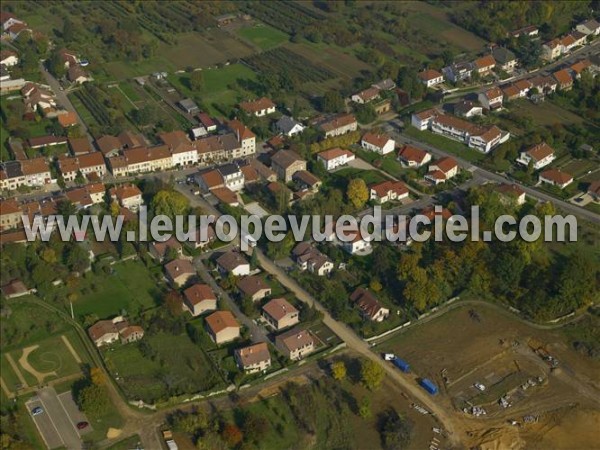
178,367
131,287
83,112
342,177
546,114
263,36
443,143
579,167
126,444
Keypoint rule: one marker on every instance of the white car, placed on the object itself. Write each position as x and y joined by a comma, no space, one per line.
389,356
479,387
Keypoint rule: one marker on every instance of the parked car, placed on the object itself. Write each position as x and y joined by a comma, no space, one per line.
82,425
36,411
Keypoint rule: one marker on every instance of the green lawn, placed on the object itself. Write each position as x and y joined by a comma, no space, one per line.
342,177
177,367
126,444
443,143
263,36
131,287
129,91
83,112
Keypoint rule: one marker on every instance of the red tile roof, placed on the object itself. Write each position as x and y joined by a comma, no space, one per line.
257,105
429,74
376,139
557,176
410,153
221,320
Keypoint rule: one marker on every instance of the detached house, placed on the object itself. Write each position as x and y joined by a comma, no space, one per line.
285,163
222,327
295,344
8,58
338,125
10,214
86,196
413,157
252,359
234,263
539,155
357,244
491,99
388,191
564,79
198,299
378,142
366,96
431,77
179,272
484,65
335,157
505,59
128,195
482,138
307,257
253,287
161,249
458,72
106,332
512,191
556,177
589,27
288,126
442,170
552,49
258,108
369,306
280,314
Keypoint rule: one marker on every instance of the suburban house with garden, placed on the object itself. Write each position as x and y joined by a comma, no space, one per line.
222,327
254,358
253,287
280,314
378,142
179,272
307,257
387,191
295,344
540,155
442,170
259,108
555,177
105,332
338,125
233,263
369,306
335,158
198,299
413,157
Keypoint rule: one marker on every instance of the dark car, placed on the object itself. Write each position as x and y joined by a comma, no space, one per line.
82,425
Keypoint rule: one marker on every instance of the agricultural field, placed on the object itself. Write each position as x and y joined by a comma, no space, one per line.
495,349
263,36
543,115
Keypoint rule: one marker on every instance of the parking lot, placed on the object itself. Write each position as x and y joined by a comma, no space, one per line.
57,423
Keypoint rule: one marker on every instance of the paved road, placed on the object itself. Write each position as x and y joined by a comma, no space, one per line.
491,176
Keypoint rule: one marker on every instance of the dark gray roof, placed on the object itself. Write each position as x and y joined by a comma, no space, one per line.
286,124
12,169
228,169
503,55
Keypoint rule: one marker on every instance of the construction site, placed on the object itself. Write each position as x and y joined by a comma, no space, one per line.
509,384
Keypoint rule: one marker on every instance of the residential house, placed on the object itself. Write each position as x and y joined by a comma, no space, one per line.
29,172
458,71
87,164
356,245
67,119
105,332
510,92
179,272
209,179
77,75
505,59
430,77
233,263
86,196
197,133
226,196
491,99
141,160
306,181
128,195
466,108
442,170
378,142
307,257
593,191
245,137
199,298
253,287
539,155
338,125
222,327
422,120
369,306
68,57
366,96
413,157
589,27
579,67
388,191
263,171
335,158
10,214
162,249
15,289
512,191
544,84
254,358
288,126
183,152
295,344
555,177
530,31
552,49
131,140
280,314
482,138
109,145
578,38
259,108
219,147
8,58
385,85
564,79
8,20
285,163
46,141
233,177
204,236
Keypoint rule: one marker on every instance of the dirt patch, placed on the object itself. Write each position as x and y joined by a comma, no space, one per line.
24,363
15,368
113,433
71,349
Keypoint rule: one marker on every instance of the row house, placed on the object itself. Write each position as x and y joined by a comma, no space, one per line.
29,172
564,79
413,157
10,214
481,138
539,155
422,120
245,138
183,152
217,148
338,125
589,27
87,164
379,143
141,160
334,158
85,196
430,77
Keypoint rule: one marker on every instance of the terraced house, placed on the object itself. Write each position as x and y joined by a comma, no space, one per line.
28,172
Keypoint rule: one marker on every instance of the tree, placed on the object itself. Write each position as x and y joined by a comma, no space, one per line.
395,431
174,303
338,370
169,203
332,102
371,374
364,410
357,192
93,400
375,285
255,427
97,376
144,116
197,80
56,65
232,435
